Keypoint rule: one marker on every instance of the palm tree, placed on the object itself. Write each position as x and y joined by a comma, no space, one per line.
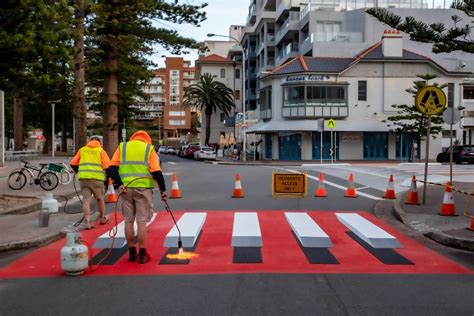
209,96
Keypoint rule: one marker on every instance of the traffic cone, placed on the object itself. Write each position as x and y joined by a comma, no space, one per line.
351,192
390,192
110,196
448,208
412,196
238,191
175,192
321,190
471,228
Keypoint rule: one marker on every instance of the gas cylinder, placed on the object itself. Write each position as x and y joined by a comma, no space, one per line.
74,255
50,203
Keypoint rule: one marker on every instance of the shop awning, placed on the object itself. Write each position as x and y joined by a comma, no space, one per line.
360,125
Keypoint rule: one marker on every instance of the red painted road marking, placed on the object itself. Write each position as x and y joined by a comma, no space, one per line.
280,251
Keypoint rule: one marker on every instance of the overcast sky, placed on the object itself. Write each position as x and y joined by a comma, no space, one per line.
220,15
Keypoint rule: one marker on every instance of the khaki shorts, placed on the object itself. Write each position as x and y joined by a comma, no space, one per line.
137,204
89,187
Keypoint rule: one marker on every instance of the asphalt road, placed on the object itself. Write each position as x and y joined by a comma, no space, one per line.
209,187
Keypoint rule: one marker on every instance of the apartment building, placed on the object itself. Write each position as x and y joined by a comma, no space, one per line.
164,107
279,32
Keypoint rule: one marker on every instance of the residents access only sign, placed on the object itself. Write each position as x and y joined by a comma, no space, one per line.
289,184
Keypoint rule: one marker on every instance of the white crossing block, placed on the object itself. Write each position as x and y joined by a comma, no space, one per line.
246,231
105,241
367,231
190,225
308,231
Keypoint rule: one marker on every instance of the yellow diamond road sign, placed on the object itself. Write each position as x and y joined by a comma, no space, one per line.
331,123
430,100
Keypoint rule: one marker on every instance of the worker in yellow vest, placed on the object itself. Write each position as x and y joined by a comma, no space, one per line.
134,166
91,163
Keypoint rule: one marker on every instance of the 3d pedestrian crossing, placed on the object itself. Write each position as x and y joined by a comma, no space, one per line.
253,242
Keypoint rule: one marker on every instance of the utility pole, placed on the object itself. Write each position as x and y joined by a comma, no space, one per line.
2,128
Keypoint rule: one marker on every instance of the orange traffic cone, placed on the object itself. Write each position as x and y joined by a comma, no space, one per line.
390,192
175,192
471,228
448,208
351,192
412,196
110,196
321,190
238,191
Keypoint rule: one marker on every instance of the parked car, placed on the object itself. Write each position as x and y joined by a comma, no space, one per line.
191,150
171,150
182,151
162,150
205,153
464,153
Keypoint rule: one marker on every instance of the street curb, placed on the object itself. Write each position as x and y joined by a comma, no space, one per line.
26,244
248,164
438,236
30,208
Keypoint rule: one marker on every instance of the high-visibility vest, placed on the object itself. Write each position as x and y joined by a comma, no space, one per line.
134,163
90,164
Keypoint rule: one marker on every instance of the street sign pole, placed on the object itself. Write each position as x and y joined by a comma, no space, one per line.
451,151
2,128
331,151
426,158
321,147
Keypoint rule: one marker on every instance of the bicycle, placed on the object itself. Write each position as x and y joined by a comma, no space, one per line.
62,171
47,180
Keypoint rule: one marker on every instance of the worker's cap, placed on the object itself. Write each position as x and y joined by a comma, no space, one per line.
96,137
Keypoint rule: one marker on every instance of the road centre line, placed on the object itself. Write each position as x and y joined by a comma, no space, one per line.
369,196
172,163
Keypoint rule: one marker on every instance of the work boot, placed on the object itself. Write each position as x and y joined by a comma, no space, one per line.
132,254
103,220
143,256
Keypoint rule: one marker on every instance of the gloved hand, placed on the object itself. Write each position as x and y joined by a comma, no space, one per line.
164,197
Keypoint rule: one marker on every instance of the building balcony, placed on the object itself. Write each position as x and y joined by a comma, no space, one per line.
265,114
467,121
468,104
251,73
285,5
289,51
252,15
251,94
269,5
307,45
315,111
343,37
292,24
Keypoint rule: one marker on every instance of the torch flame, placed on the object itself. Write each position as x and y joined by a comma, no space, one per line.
182,255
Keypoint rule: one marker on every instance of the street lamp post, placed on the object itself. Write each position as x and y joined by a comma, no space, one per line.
53,103
244,147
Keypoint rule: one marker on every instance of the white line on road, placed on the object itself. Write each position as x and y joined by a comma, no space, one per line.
369,196
171,163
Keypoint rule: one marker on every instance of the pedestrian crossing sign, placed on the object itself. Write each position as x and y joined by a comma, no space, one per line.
331,123
430,100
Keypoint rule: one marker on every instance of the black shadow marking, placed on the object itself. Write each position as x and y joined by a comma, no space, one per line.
114,256
317,255
385,255
175,250
247,255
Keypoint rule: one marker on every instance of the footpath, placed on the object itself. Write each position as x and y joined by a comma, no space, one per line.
19,223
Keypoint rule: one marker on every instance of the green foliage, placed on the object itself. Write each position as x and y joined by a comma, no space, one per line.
444,39
209,96
409,120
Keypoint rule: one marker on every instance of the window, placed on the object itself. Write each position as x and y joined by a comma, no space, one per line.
237,94
325,95
265,98
177,122
222,117
176,113
222,73
294,96
237,73
362,95
468,93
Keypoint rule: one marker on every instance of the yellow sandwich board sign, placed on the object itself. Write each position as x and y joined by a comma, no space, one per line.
289,184
430,100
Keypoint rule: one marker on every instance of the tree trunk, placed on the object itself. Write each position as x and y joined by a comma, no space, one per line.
79,109
18,121
63,138
208,128
110,115
47,143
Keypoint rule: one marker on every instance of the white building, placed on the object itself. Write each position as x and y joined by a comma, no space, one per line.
278,31
358,93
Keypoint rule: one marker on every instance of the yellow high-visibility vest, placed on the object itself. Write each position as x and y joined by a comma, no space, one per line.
134,158
90,164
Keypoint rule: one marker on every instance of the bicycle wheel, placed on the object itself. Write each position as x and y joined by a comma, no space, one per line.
64,177
16,180
48,181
